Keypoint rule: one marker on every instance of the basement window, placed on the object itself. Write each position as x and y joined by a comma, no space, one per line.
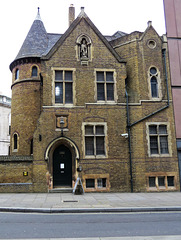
90,183
161,182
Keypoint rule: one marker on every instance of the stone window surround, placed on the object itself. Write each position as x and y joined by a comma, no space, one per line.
15,150
169,139
105,137
34,65
159,98
16,74
96,177
114,76
53,86
161,174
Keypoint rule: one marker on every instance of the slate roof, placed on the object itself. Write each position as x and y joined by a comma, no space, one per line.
36,42
39,43
116,35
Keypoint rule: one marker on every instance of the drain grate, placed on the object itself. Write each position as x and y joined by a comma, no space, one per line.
70,201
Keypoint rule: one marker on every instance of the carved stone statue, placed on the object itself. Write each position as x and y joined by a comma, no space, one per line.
83,49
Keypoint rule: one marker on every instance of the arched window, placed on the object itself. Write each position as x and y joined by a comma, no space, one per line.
34,71
31,146
15,141
154,82
154,87
17,74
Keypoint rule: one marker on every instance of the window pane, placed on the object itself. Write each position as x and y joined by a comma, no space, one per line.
170,181
100,146
153,145
110,91
68,93
154,87
101,182
99,130
68,75
89,145
89,130
163,145
90,183
153,129
109,77
152,182
15,141
17,74
161,181
162,129
100,76
34,71
58,75
58,92
153,70
100,91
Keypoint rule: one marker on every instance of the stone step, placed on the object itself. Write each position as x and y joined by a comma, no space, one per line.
61,190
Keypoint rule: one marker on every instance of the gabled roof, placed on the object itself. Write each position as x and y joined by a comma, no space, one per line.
81,16
40,44
36,41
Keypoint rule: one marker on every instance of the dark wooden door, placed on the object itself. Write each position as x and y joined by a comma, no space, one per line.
62,167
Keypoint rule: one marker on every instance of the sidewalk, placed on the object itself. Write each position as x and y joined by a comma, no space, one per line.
90,202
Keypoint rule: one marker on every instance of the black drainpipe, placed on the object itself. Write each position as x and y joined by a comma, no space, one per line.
129,138
142,119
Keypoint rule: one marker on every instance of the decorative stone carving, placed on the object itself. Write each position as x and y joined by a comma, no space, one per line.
84,49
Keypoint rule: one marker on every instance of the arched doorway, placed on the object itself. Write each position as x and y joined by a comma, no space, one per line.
62,166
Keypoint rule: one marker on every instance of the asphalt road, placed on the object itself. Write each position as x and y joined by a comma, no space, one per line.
17,226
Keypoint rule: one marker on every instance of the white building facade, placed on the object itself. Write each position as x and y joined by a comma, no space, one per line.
5,124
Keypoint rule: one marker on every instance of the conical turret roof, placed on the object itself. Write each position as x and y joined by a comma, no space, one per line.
36,41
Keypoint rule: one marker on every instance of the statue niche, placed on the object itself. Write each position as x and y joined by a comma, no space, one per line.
84,49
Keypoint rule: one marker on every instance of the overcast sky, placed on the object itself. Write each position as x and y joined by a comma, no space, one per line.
17,16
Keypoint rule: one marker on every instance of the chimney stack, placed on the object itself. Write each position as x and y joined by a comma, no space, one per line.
71,14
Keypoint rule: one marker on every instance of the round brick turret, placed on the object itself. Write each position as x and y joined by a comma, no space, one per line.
26,89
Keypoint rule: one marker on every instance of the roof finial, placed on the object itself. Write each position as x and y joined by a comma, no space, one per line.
38,15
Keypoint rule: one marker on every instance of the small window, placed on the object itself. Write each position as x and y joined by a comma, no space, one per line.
170,181
152,182
161,181
31,146
101,182
15,139
17,74
154,82
34,71
90,183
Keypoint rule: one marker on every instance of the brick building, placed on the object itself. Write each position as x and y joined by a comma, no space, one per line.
98,107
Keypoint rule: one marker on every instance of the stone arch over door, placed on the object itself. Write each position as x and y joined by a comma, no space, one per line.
60,146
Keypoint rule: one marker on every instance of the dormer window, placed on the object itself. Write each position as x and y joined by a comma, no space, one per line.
34,71
17,74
